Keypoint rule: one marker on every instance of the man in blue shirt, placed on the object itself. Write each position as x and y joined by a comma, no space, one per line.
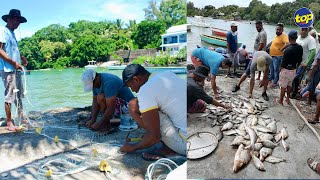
232,43
106,89
212,60
10,62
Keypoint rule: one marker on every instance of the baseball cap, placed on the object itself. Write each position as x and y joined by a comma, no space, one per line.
261,63
233,24
130,71
87,79
293,34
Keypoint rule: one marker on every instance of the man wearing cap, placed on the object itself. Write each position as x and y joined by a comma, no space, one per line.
260,42
10,62
308,44
106,89
196,96
232,43
160,110
212,60
279,43
260,62
291,61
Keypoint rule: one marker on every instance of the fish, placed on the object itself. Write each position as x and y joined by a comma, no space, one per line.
284,133
264,152
258,146
268,144
285,145
253,137
204,115
265,136
219,135
226,126
254,121
278,137
241,158
257,163
237,110
267,121
237,141
261,122
265,117
230,132
242,126
248,105
252,102
241,132
274,160
272,126
263,129
256,153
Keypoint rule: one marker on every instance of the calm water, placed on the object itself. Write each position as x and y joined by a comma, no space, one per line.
49,89
246,32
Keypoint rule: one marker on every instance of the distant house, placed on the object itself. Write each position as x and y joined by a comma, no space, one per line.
174,39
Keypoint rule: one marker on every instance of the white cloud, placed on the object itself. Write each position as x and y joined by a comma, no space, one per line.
241,3
22,34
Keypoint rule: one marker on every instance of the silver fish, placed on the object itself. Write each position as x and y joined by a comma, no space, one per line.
237,141
268,144
230,132
265,136
204,115
219,135
253,137
284,133
258,146
264,152
248,105
285,145
261,122
263,129
257,163
274,160
226,126
272,126
241,132
265,117
242,157
252,102
277,137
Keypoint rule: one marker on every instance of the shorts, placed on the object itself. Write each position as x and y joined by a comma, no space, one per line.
171,136
196,62
286,77
197,107
248,69
12,81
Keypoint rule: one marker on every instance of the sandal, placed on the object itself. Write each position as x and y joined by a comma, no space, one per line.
313,165
313,122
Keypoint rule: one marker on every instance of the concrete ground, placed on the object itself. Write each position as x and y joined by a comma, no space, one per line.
23,153
303,143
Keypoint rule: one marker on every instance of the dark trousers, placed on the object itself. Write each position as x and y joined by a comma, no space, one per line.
297,79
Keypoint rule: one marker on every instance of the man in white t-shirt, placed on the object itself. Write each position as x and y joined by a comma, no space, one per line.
308,44
160,109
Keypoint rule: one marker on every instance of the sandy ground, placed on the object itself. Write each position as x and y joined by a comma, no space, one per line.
303,143
23,153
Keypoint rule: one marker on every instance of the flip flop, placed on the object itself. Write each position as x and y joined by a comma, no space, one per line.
313,122
154,156
313,165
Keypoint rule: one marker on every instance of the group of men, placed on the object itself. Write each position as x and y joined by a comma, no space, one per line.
284,63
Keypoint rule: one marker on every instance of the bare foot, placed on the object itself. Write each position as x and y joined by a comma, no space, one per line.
279,102
314,165
11,127
288,101
89,123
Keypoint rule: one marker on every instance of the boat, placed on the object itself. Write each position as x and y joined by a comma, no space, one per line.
176,70
219,32
91,65
175,39
200,22
215,40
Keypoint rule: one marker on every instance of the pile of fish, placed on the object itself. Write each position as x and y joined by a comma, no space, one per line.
256,134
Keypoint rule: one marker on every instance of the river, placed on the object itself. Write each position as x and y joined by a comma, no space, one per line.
246,32
49,89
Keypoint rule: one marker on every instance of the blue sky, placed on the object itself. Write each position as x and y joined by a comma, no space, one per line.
41,13
241,3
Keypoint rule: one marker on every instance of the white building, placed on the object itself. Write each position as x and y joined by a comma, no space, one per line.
174,39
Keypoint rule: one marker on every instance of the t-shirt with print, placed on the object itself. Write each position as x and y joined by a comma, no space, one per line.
278,42
10,46
308,43
292,56
195,92
112,85
232,39
253,67
261,38
168,93
209,58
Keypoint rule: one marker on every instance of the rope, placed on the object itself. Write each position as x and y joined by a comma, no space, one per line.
162,162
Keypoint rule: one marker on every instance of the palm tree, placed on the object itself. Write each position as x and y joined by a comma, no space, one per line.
131,25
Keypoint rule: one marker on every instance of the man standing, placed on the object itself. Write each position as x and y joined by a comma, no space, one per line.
106,89
314,77
10,62
232,43
260,42
308,44
160,109
212,60
279,42
196,96
260,62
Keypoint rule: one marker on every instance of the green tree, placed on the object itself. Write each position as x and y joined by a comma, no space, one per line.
148,34
53,33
